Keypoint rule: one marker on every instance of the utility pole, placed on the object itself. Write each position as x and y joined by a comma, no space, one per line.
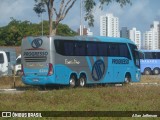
81,24
42,22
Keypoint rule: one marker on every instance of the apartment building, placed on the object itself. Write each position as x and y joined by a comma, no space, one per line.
109,26
151,38
135,36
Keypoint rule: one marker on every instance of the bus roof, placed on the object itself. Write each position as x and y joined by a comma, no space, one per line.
90,38
96,38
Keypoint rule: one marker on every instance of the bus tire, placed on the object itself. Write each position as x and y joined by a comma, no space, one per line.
147,71
127,79
82,81
72,81
156,71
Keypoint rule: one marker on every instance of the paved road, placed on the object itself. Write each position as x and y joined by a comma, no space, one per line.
145,84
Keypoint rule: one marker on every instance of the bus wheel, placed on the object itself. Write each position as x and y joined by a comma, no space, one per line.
72,81
82,81
156,71
147,71
127,79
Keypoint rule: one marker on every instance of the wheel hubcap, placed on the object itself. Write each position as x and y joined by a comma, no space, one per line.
126,80
147,72
72,82
156,72
82,82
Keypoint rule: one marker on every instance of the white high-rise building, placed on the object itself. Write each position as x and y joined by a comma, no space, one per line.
135,36
109,26
151,38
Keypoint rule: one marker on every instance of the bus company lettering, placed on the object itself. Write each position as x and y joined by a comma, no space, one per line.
68,62
120,61
35,53
149,61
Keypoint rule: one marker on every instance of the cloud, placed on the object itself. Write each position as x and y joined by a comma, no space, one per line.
140,14
10,8
72,19
137,13
18,9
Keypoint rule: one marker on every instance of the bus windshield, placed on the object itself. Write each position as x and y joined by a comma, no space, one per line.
137,58
135,54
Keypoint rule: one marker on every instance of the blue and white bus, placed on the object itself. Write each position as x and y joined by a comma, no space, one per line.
79,61
151,63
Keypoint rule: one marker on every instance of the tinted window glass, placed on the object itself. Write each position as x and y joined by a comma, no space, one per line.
68,48
1,58
158,55
154,54
59,46
80,49
133,48
148,55
135,54
123,51
141,56
113,50
102,49
92,49
8,56
137,59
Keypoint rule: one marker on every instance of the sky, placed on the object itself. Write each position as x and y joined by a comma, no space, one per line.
140,14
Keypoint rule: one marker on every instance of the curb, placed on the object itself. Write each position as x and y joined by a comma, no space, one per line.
7,89
155,84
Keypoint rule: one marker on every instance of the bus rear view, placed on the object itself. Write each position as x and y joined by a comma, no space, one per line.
36,61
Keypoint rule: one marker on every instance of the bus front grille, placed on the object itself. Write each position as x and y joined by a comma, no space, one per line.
35,59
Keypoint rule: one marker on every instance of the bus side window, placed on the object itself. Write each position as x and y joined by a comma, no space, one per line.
59,46
141,55
148,55
8,56
80,48
113,50
92,49
102,49
68,48
1,58
124,52
158,55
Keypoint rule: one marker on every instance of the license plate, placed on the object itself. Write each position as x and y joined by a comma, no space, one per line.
35,80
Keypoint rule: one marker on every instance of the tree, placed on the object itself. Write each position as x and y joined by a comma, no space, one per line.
13,33
64,8
66,5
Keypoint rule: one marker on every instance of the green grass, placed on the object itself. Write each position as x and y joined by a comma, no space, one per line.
126,98
9,82
150,79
